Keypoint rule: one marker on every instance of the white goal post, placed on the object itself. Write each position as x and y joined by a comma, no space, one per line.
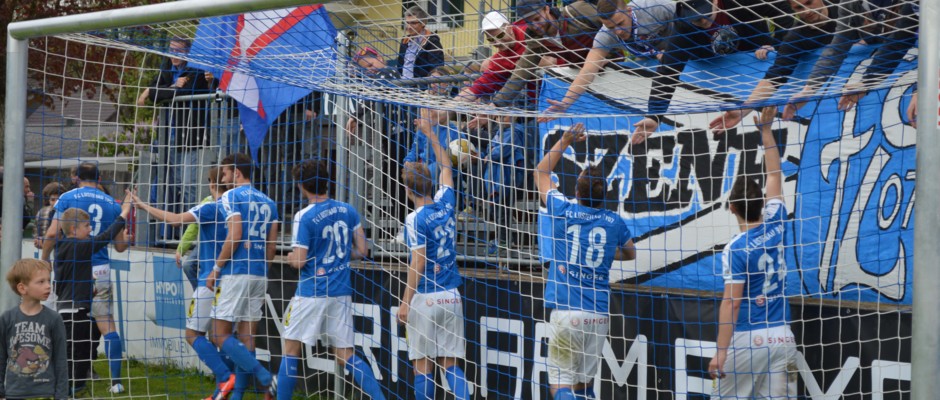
926,330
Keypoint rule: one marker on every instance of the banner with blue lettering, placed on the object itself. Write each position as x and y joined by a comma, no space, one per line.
849,177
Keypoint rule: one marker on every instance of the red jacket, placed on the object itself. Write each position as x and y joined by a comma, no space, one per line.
501,66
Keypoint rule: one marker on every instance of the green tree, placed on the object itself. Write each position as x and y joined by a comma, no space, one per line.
74,62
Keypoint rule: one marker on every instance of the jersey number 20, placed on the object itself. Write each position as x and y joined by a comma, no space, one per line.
337,239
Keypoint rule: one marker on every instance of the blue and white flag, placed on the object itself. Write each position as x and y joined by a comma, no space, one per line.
258,50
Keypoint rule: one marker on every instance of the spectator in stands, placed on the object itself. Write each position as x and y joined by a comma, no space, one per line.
739,25
677,33
188,122
50,195
420,51
814,24
28,197
386,122
504,173
566,33
890,23
639,29
447,130
509,41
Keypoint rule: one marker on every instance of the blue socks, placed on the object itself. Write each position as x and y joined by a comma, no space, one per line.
363,376
246,366
242,381
211,356
586,393
457,382
564,394
113,348
287,377
424,387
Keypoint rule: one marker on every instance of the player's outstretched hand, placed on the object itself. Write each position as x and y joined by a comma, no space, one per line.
423,122
767,115
556,107
852,93
127,204
574,134
912,111
717,364
643,129
403,313
763,51
727,120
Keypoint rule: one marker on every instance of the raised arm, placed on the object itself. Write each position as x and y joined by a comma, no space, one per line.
543,171
525,71
774,184
116,230
443,158
162,215
596,59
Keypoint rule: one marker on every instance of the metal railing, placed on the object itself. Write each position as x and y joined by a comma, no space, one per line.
488,232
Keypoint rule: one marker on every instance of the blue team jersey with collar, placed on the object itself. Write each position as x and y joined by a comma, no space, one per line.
102,211
434,228
326,229
212,234
258,212
585,242
755,258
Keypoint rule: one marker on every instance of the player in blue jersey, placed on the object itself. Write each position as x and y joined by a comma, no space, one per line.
241,270
102,210
432,307
587,240
326,235
212,234
755,344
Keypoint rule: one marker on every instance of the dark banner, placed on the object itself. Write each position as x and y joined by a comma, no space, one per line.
658,348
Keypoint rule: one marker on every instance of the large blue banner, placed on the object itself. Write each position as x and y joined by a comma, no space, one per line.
849,178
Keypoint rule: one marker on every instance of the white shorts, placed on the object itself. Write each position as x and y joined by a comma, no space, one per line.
574,351
200,308
101,272
761,364
435,325
103,300
327,319
239,298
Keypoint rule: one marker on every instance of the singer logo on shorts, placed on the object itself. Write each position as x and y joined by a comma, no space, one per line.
429,302
448,301
758,340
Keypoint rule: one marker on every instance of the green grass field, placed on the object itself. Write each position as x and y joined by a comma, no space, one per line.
150,381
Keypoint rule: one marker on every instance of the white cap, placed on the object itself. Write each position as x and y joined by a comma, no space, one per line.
493,20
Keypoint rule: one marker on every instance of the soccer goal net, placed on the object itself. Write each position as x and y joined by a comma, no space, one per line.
627,262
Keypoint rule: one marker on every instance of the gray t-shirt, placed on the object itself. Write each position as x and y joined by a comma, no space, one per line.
653,22
33,354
